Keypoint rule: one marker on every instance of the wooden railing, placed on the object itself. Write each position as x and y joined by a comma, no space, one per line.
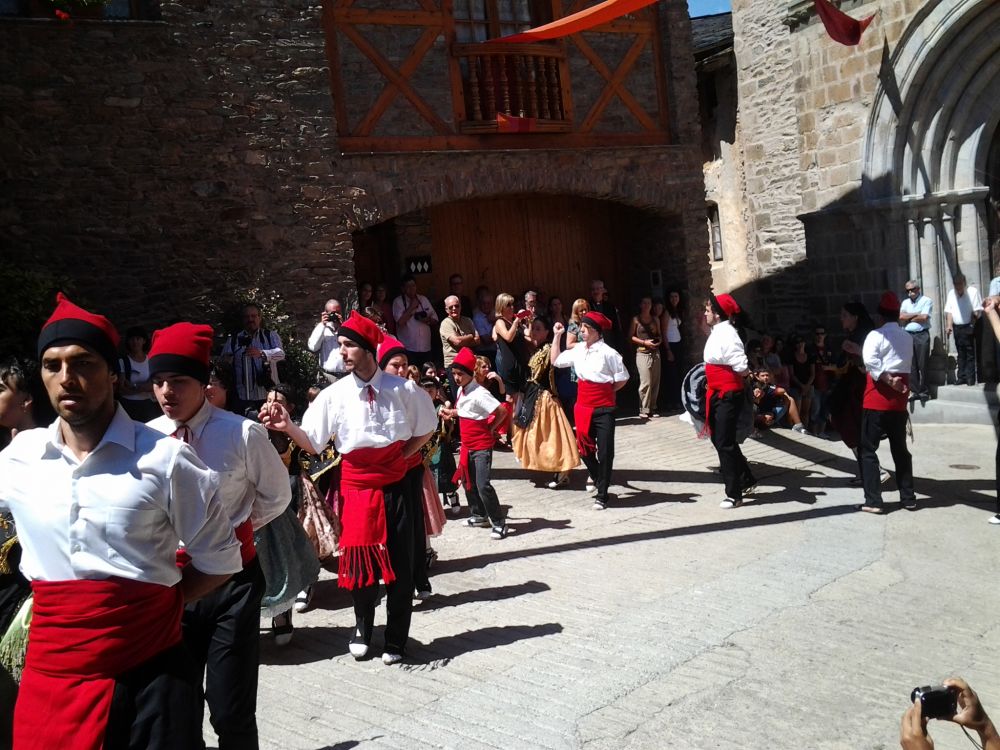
525,81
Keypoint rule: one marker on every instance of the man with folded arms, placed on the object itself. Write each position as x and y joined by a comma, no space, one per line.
377,421
222,630
101,503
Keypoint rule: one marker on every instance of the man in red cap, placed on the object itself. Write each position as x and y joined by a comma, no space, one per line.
601,374
222,629
100,503
377,423
888,357
392,359
480,416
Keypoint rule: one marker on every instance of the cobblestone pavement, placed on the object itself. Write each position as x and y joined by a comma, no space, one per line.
667,622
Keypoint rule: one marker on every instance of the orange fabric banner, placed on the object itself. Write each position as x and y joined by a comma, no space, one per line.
585,19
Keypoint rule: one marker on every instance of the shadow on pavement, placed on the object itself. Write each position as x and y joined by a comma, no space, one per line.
439,652
309,645
442,601
522,526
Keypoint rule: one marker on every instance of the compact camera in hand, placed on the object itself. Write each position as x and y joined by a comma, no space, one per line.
936,702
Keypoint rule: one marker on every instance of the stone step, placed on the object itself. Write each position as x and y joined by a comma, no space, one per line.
958,404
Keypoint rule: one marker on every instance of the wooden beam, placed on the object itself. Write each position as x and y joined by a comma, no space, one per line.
378,17
396,79
333,63
499,142
614,85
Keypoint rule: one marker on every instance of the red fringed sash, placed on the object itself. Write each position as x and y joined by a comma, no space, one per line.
883,397
364,474
590,396
476,436
719,379
84,634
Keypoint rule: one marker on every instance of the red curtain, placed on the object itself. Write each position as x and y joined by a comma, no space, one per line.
840,26
585,19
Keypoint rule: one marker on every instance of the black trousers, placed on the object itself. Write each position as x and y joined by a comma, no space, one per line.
918,371
996,467
600,464
892,424
222,631
723,416
415,478
399,593
157,704
965,344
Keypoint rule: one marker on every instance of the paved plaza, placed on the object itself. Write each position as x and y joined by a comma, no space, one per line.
667,622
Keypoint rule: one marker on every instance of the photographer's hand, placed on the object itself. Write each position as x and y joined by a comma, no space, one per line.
913,730
972,715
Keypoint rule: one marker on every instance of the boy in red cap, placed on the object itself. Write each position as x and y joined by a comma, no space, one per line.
888,356
601,374
480,416
100,503
377,423
222,629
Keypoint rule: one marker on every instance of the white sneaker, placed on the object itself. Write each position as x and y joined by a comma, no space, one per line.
304,599
995,519
358,650
389,658
422,595
883,476
561,480
800,428
728,504
591,486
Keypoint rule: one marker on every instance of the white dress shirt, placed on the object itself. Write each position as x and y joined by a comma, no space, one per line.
253,478
963,308
724,347
888,349
121,511
597,363
324,341
415,335
475,402
400,410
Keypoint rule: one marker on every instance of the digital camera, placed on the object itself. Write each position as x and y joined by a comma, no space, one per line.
936,702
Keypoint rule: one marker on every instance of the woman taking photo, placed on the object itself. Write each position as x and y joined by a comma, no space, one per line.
726,372
645,334
509,333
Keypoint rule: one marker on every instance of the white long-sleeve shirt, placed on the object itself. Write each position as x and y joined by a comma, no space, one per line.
597,363
253,479
400,410
887,349
324,342
121,511
724,347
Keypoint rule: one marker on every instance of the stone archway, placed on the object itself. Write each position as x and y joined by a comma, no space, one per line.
929,139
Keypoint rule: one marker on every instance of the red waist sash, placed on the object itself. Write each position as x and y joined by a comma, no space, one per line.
719,379
85,634
364,475
476,436
590,396
883,397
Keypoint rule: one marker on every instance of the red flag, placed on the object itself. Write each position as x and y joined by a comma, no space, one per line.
511,124
585,19
840,26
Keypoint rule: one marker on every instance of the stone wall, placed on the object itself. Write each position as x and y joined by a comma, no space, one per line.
162,166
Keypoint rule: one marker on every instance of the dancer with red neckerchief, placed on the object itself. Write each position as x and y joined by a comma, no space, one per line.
378,422
101,502
600,373
726,372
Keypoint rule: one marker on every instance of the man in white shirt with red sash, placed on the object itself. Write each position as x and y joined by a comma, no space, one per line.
600,375
100,503
222,630
888,356
479,416
377,423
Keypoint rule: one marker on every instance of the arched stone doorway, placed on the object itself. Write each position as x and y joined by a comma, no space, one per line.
927,176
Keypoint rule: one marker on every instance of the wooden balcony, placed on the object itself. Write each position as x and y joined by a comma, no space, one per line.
525,82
